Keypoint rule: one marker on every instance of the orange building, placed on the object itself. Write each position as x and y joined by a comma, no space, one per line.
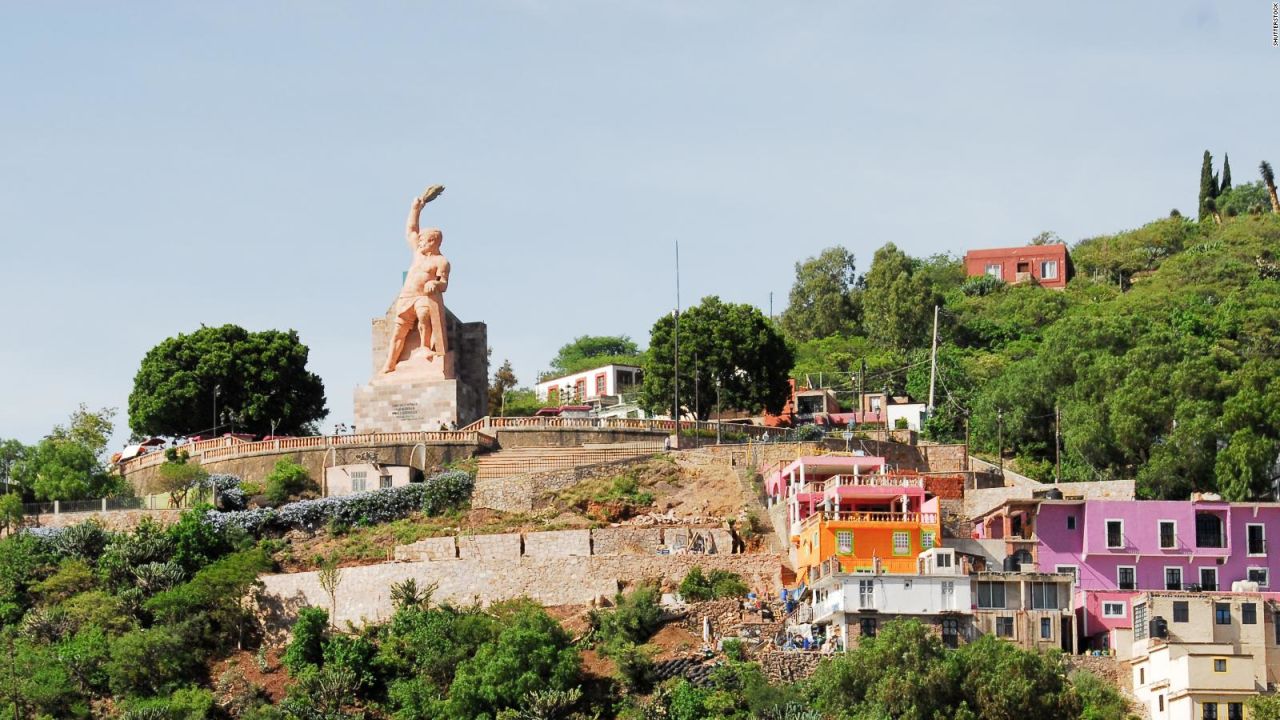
850,509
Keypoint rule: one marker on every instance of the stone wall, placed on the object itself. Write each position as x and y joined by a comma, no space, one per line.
523,493
364,593
573,437
256,467
950,487
114,520
614,541
980,502
789,667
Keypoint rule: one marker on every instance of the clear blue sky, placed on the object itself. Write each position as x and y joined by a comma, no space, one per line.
164,165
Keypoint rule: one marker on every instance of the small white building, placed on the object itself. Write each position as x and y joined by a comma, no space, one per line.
359,477
591,386
852,605
914,414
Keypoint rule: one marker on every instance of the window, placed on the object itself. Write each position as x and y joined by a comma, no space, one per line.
1209,579
866,593
553,395
1049,270
1115,533
1044,596
1071,522
580,389
1160,702
1258,575
1222,613
384,481
844,542
1235,711
602,385
1113,609
1046,629
1257,535
1142,676
1180,611
943,559
991,595
1068,569
1248,614
995,270
1004,627
927,541
1140,628
950,632
1209,711
1168,534
1125,578
1219,665
902,543
1275,622
357,480
1173,578
867,626
1208,530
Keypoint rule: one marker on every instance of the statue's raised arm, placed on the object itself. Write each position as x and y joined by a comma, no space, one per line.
415,214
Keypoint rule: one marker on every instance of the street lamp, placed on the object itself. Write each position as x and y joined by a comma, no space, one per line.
719,420
217,389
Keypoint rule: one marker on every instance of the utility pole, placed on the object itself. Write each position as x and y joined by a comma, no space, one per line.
1000,438
675,376
1057,444
933,360
770,306
719,420
862,379
216,389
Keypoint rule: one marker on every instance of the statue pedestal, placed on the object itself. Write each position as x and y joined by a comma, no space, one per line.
405,405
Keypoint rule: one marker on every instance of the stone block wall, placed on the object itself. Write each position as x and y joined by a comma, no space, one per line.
114,520
523,493
508,546
557,543
364,593
626,541
439,548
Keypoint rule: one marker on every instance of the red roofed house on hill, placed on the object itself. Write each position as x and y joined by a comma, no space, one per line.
1050,265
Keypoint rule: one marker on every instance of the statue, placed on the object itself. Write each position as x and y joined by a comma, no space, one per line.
421,300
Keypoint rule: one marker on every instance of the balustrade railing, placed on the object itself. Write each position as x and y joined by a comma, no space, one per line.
874,480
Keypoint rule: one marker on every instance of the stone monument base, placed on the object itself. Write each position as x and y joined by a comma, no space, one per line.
411,406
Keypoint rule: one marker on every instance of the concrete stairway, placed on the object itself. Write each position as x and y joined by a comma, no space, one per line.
518,461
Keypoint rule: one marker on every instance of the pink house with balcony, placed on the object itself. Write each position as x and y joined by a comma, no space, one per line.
801,484
1117,548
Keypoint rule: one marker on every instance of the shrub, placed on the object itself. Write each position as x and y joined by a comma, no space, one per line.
149,542
445,491
10,511
980,285
288,480
85,541
197,540
719,584
635,668
734,650
189,703
354,653
146,662
228,492
808,433
634,619
306,648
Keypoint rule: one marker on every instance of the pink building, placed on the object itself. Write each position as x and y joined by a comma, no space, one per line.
1049,265
1117,548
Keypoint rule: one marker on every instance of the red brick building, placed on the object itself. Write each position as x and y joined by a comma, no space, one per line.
1050,265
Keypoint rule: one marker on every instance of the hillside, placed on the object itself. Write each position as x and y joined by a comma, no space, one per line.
1160,356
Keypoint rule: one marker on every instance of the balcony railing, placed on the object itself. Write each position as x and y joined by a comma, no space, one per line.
872,518
839,481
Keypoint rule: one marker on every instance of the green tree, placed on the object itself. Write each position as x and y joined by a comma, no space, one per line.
589,351
288,480
825,298
898,301
91,429
504,380
11,454
306,647
1225,187
178,477
1269,179
1247,199
726,343
531,653
64,470
1208,187
11,512
261,377
1264,707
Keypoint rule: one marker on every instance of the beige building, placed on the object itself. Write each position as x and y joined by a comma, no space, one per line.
1200,656
359,477
1032,610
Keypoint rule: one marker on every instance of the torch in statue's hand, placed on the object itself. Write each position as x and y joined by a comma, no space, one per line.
431,193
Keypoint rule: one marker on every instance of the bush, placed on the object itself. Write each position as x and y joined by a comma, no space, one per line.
306,648
634,619
228,494
10,511
147,662
635,668
445,491
189,703
734,650
980,285
720,584
197,540
288,480
85,541
808,433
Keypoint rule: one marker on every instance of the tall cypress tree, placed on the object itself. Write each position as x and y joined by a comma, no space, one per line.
1208,187
1226,175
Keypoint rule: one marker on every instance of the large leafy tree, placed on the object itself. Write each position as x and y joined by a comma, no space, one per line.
260,377
898,302
732,344
589,351
504,380
825,299
68,463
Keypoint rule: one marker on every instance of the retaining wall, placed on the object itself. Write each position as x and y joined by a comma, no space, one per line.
364,593
601,542
523,493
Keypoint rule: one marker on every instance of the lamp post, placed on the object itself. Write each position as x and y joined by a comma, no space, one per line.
719,420
217,389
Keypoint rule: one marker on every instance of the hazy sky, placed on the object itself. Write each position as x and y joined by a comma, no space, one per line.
166,165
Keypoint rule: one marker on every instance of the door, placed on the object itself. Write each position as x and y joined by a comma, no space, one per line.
1209,579
948,595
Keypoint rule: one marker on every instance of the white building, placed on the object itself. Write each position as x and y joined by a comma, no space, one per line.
591,386
850,605
914,414
359,477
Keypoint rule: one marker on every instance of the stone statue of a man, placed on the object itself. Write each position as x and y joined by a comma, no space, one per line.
421,299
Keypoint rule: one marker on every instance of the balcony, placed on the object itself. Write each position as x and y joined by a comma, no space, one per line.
869,518
884,481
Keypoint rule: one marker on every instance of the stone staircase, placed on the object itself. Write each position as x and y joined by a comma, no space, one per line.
521,461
